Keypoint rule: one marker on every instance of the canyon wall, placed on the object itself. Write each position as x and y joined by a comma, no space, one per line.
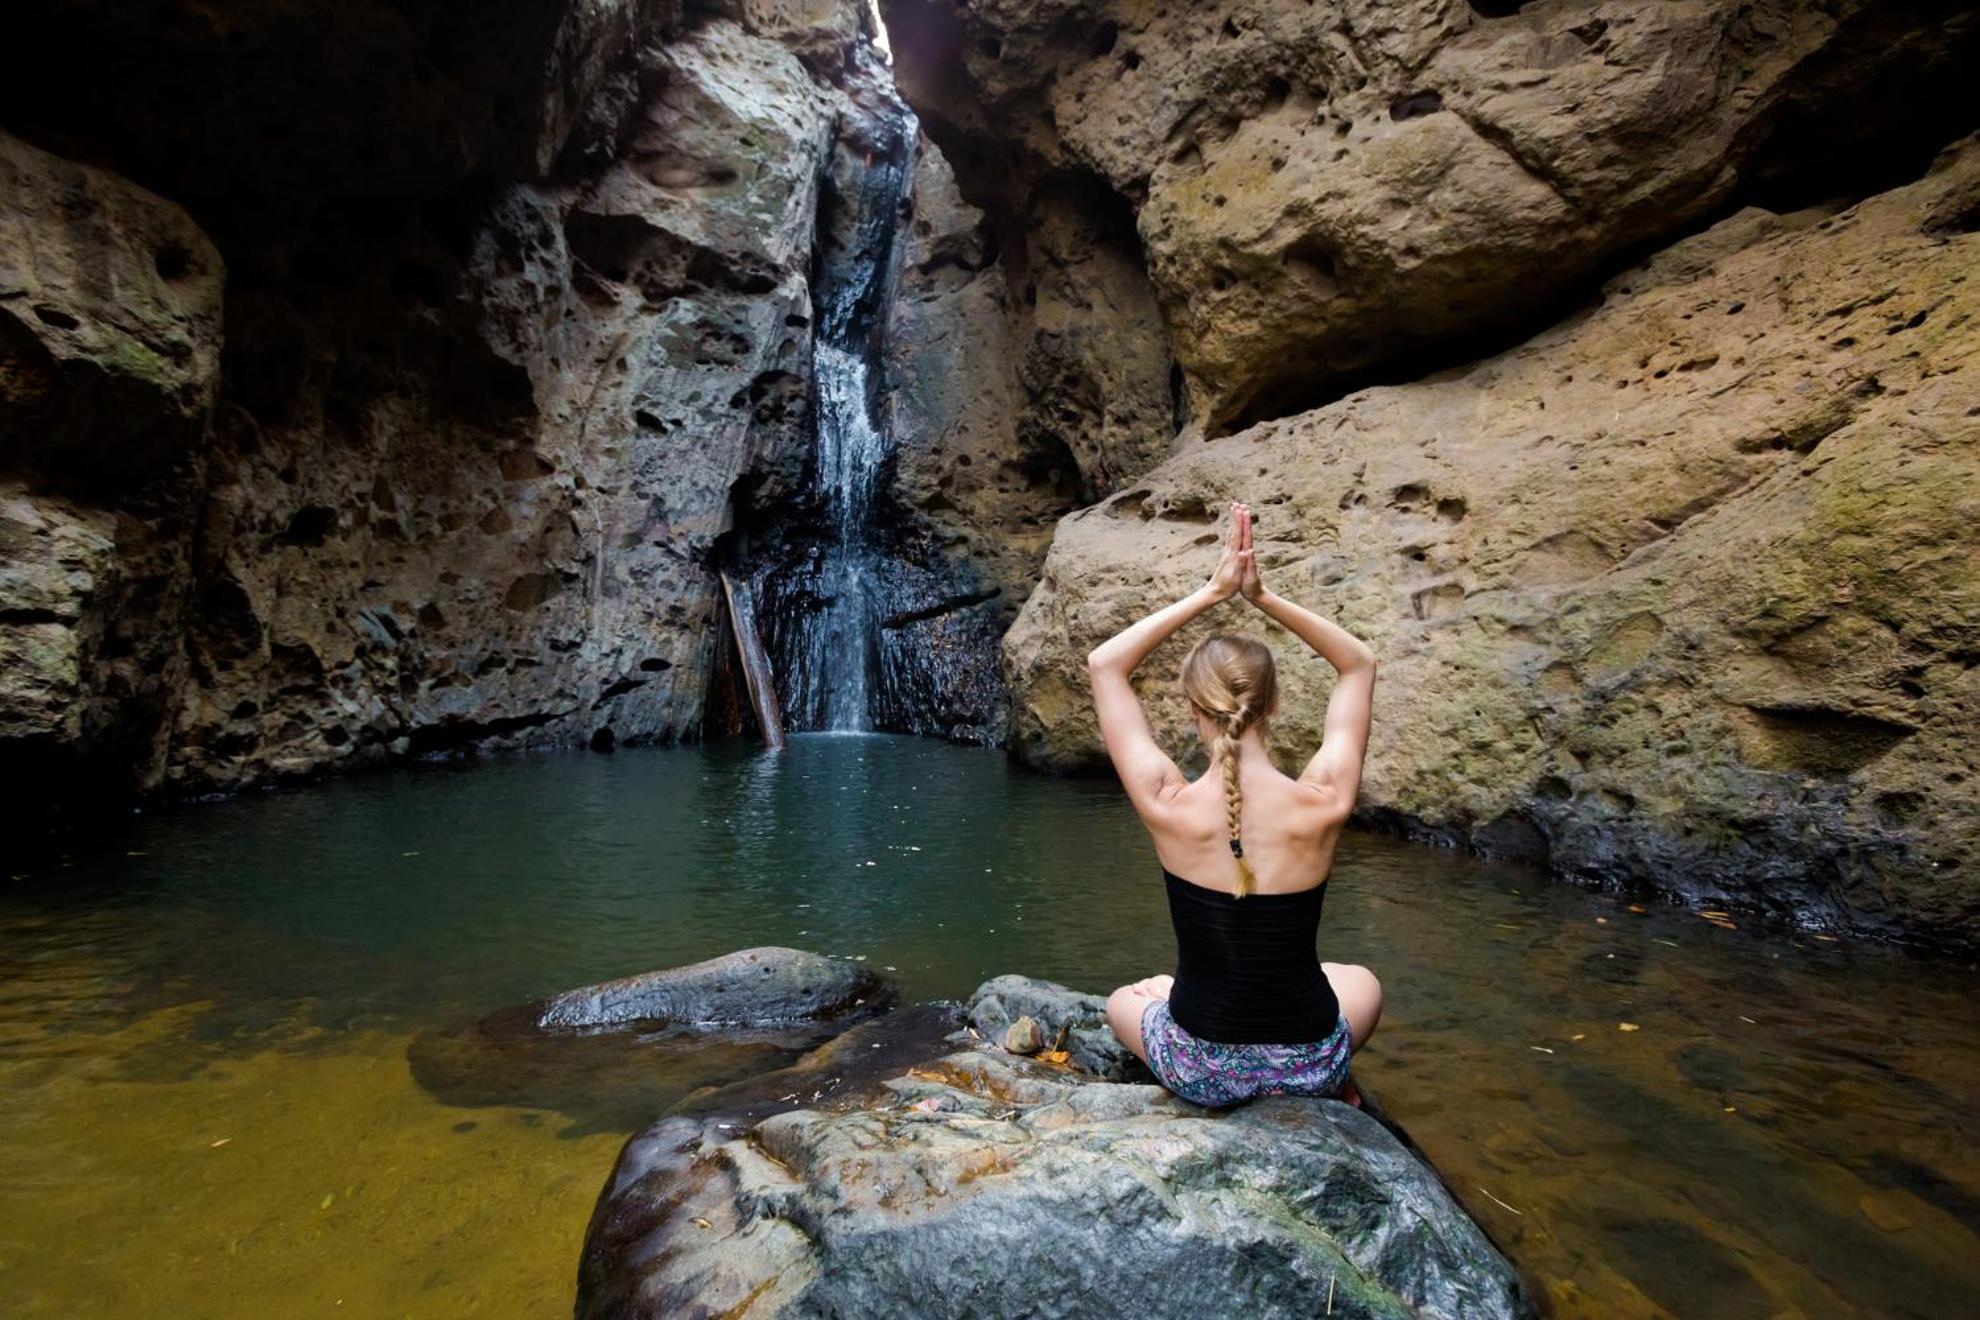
1608,366
377,380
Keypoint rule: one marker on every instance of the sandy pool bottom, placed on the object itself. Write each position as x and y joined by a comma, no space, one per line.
311,1179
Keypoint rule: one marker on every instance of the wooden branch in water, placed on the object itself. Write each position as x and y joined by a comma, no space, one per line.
755,663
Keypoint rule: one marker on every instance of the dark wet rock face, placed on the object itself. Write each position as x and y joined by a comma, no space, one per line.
752,988
511,303
982,1183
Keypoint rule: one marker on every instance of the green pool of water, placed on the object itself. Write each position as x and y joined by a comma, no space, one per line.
207,1023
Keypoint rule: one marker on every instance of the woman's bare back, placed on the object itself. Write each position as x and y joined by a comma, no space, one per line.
1290,829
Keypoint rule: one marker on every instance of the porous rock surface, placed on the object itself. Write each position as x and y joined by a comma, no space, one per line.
982,1183
1319,189
513,306
110,312
1681,592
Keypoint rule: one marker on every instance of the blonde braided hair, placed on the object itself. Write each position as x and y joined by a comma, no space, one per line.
1230,678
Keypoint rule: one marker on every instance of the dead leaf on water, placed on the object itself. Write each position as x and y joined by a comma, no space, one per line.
1886,1212
1627,1026
1637,908
1579,1035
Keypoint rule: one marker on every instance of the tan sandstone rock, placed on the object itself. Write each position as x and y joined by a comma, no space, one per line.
110,327
1327,188
1685,590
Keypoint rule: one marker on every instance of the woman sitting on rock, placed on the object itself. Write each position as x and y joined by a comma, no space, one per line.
1245,851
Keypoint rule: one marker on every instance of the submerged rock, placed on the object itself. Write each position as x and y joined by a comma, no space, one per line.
751,988
613,1055
983,1183
603,1081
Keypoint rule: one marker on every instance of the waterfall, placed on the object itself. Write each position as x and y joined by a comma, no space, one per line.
828,652
840,647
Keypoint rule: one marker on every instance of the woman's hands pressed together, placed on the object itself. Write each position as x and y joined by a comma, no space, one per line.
1236,573
1145,770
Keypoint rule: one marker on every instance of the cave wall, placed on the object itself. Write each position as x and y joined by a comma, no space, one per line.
374,379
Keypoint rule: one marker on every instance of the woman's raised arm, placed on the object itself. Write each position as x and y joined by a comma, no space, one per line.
1335,769
1146,771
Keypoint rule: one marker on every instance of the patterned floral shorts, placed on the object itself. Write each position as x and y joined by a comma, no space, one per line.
1216,1074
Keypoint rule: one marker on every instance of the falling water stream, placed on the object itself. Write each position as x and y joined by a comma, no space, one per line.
836,673
830,655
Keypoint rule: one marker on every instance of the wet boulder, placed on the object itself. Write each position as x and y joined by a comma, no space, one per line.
750,989
613,1055
985,1183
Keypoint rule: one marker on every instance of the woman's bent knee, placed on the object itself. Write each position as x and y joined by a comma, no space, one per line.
1124,1009
1360,994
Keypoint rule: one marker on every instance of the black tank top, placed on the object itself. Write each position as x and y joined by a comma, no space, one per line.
1246,970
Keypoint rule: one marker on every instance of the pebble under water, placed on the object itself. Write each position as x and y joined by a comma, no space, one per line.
212,1025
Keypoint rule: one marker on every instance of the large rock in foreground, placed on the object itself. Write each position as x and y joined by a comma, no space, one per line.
1680,593
982,1183
751,988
